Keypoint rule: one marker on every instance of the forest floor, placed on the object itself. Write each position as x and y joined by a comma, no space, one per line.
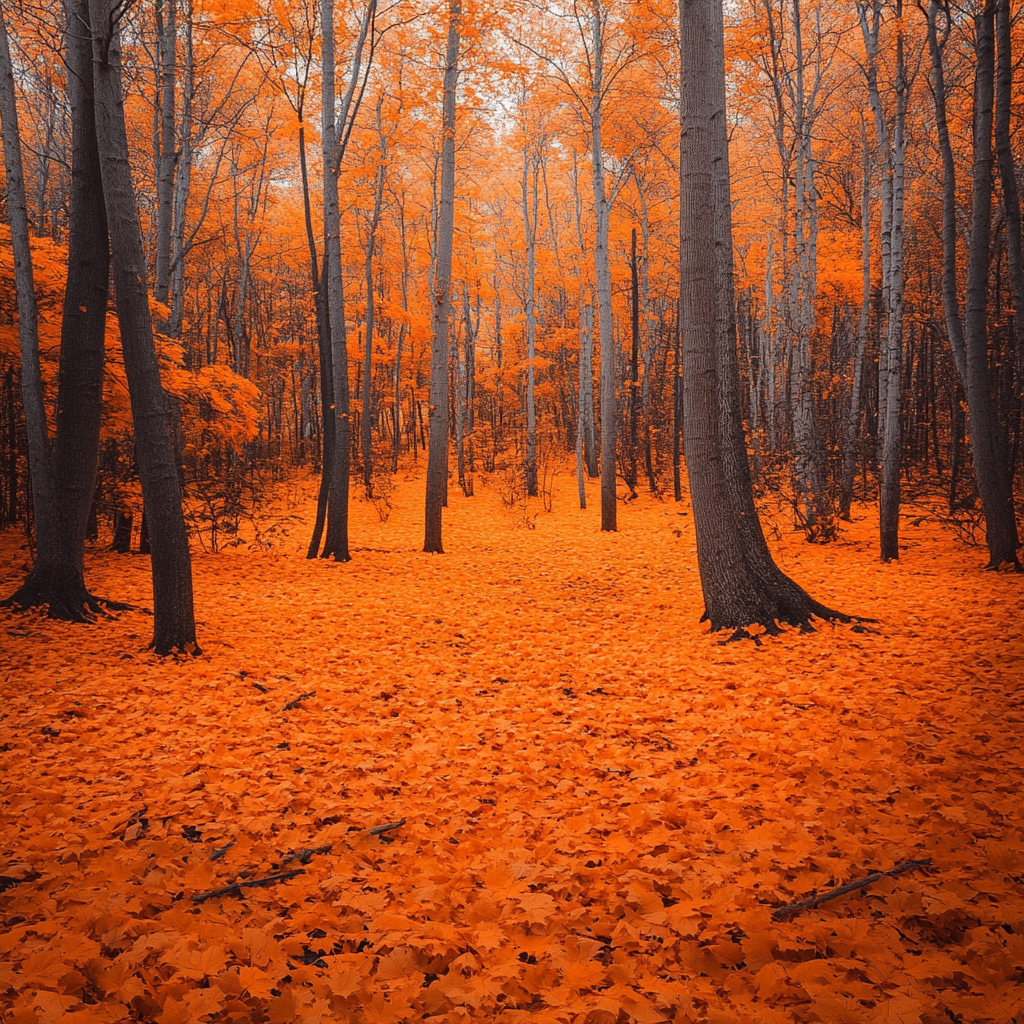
600,804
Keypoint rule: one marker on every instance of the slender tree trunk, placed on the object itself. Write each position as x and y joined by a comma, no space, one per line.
167,33
892,356
634,369
530,206
603,278
396,447
174,618
182,183
586,382
437,460
1008,181
44,494
853,424
367,396
334,126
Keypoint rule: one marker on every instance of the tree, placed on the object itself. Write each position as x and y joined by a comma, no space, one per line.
68,475
174,618
741,583
441,300
335,130
968,334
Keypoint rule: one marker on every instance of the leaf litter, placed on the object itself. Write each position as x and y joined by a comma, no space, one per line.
517,783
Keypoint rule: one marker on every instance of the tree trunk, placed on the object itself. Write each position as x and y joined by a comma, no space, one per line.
174,618
167,44
437,459
603,278
44,496
530,205
334,127
892,356
367,396
994,483
741,583
1008,180
853,423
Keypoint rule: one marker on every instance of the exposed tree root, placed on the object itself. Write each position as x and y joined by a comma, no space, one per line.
62,591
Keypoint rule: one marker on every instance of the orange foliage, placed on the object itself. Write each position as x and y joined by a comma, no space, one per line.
601,806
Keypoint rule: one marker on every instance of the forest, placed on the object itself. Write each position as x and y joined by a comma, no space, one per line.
511,511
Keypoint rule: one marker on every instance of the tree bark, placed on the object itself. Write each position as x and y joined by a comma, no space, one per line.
741,583
334,129
44,497
174,618
437,459
531,200
994,483
1008,181
167,44
603,277
853,423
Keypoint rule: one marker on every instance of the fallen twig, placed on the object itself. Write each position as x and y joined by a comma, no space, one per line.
292,704
781,913
219,851
235,888
378,830
305,856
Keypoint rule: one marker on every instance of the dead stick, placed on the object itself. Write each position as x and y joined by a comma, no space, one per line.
381,829
293,704
235,888
781,913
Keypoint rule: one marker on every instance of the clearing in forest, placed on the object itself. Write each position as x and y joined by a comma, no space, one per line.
600,805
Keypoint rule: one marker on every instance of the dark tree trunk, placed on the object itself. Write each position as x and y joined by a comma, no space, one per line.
57,579
1008,180
12,449
174,617
741,582
994,483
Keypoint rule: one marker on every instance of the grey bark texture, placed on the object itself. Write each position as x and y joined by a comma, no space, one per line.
740,581
437,459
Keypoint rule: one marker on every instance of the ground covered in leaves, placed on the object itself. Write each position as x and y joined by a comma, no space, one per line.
601,806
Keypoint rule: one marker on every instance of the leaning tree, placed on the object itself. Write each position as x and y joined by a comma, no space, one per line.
174,626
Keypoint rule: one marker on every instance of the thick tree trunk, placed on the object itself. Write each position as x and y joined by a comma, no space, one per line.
174,618
740,581
441,302
994,483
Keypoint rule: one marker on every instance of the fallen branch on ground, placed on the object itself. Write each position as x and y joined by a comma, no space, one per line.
235,888
789,909
292,704
381,829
